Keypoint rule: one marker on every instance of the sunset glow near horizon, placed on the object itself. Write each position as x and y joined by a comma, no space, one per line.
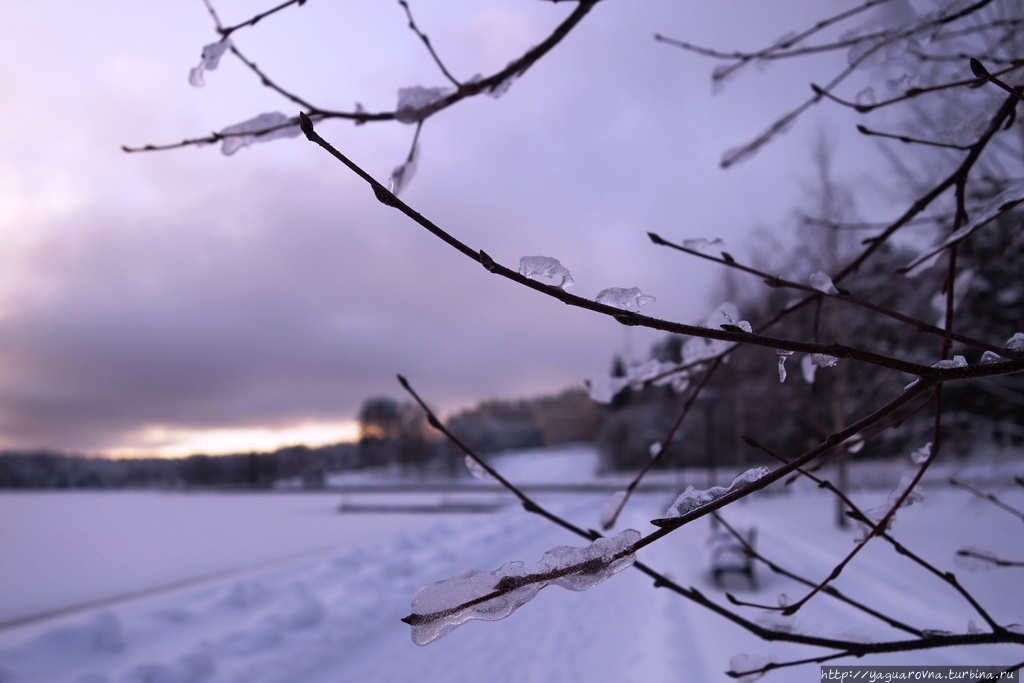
161,442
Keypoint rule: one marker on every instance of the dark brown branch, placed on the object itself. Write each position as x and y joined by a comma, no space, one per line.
426,42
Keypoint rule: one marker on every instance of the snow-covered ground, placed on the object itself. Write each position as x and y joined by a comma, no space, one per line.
280,587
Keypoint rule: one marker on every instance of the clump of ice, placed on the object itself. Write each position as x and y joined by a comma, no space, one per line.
823,283
956,362
621,297
1016,342
263,128
208,62
604,388
692,499
921,454
417,102
545,267
876,514
441,607
990,357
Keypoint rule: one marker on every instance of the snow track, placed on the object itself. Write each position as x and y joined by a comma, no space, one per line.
335,617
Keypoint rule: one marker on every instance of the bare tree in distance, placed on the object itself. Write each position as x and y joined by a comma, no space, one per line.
949,86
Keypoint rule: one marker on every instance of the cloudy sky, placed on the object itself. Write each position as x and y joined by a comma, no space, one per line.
173,302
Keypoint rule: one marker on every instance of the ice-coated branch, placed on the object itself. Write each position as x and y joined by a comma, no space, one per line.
494,84
990,497
631,317
441,607
844,295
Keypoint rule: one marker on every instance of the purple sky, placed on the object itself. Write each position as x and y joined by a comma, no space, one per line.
184,300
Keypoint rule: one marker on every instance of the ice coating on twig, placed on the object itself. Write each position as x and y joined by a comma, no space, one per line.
702,243
620,297
1016,342
604,388
823,360
956,362
921,454
973,558
441,607
995,207
417,102
546,267
478,471
208,62
738,664
402,175
990,357
823,283
697,349
274,123
612,507
876,514
692,499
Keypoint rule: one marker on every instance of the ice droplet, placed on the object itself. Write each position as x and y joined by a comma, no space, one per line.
546,267
855,444
263,128
738,664
823,283
1016,342
783,355
208,61
866,97
441,607
808,368
620,297
921,454
654,449
692,499
990,357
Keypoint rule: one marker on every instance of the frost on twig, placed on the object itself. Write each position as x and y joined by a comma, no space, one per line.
263,128
546,267
692,499
208,62
441,607
623,298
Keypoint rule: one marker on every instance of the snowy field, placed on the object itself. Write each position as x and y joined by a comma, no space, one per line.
280,587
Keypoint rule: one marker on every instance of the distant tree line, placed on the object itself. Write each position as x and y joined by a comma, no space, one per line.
52,470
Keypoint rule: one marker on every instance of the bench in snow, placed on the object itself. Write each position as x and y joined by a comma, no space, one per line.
729,556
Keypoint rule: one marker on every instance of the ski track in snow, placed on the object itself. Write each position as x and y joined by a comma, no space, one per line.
335,617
